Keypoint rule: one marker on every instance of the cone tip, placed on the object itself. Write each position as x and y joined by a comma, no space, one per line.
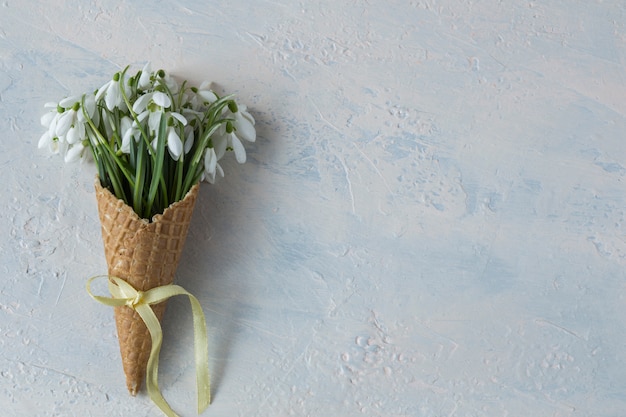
132,389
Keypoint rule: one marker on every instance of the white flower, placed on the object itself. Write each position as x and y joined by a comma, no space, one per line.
75,152
203,96
66,120
235,143
211,167
230,135
170,82
76,133
227,139
71,124
128,132
220,143
144,102
48,141
174,144
145,77
50,120
112,92
189,138
244,124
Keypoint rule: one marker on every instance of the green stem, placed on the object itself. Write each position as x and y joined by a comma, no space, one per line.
157,177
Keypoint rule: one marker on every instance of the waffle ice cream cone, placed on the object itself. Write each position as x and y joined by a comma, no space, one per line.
145,254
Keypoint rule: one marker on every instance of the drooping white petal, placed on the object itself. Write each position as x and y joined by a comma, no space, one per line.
240,151
210,161
207,96
75,134
161,99
144,78
142,102
126,123
174,144
45,140
102,90
179,117
68,102
171,83
220,143
46,119
90,105
189,139
154,119
141,117
74,153
113,97
126,131
243,109
125,148
65,121
245,129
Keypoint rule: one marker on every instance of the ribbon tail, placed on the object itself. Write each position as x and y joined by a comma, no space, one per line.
201,351
152,369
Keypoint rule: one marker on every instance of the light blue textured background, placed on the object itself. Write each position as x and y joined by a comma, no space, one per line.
431,222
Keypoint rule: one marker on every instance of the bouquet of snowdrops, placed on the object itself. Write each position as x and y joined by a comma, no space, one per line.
151,137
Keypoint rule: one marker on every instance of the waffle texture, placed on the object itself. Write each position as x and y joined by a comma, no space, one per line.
146,255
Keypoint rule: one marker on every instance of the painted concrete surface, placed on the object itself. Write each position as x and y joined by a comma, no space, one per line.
431,222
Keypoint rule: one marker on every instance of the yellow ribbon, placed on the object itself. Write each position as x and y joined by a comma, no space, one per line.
125,295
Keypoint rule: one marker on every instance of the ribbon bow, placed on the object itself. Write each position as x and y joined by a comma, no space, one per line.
125,295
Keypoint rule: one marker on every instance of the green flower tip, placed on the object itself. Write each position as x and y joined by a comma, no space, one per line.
229,127
161,73
116,77
232,106
76,106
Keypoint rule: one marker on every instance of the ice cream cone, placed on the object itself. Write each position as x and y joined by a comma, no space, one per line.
146,255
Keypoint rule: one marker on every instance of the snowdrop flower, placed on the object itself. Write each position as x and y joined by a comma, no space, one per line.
65,122
151,101
51,115
189,139
174,144
240,127
48,141
75,152
112,92
203,96
76,133
170,82
211,167
49,120
145,79
129,132
244,124
235,143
